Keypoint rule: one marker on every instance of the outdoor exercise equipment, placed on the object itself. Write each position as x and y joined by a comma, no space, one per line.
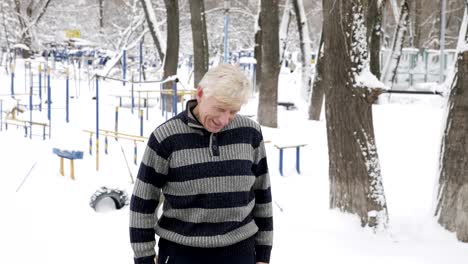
119,197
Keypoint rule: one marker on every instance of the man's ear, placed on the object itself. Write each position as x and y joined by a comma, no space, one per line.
199,93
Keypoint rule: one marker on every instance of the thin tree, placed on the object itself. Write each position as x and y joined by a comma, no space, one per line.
268,97
417,11
318,87
153,27
374,31
200,39
354,167
284,29
393,58
27,20
3,6
101,15
304,40
452,203
172,51
258,48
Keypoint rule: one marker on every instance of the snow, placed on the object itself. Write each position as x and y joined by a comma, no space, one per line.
46,217
367,79
20,46
247,60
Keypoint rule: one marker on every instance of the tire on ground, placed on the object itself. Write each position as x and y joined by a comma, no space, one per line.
119,197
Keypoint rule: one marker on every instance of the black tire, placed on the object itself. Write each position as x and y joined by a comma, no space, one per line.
119,197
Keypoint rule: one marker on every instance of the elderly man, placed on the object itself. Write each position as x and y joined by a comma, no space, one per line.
210,166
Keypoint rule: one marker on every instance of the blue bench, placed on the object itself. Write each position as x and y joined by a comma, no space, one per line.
71,155
281,148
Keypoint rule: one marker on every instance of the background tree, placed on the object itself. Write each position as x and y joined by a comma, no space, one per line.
200,39
101,14
29,17
304,40
417,19
172,45
452,205
258,49
354,167
284,29
318,88
268,96
393,57
153,27
374,30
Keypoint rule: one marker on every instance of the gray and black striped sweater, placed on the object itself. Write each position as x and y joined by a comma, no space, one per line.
216,188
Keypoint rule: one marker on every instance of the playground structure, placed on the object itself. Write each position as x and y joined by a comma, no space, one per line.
174,93
70,155
419,66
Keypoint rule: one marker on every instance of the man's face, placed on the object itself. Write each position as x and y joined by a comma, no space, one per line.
214,114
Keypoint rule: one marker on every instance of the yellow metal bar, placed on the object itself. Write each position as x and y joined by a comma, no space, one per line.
97,154
72,169
61,167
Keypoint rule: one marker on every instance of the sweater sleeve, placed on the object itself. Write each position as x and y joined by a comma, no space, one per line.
145,200
263,210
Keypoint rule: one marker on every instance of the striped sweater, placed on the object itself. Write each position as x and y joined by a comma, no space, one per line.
216,188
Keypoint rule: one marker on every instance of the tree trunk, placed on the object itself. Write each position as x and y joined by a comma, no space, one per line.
417,11
172,50
303,30
284,29
452,206
200,39
374,30
354,168
101,15
393,59
8,44
258,51
152,28
318,89
268,98
42,12
25,36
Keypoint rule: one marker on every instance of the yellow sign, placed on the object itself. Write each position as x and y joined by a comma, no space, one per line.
73,33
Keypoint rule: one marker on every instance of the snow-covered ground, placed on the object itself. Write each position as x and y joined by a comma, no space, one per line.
46,218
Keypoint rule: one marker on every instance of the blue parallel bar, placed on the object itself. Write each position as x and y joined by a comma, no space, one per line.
106,145
135,154
281,161
298,159
141,122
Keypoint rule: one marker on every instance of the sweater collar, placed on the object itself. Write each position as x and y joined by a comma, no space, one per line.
192,120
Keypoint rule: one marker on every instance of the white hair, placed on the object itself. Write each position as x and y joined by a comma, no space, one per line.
227,83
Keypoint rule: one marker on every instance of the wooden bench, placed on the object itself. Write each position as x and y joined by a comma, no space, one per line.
288,105
71,155
282,147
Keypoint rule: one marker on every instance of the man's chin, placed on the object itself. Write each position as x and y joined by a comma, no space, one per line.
214,129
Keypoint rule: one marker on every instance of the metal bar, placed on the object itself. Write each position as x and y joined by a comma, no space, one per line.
413,92
67,82
298,159
281,161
